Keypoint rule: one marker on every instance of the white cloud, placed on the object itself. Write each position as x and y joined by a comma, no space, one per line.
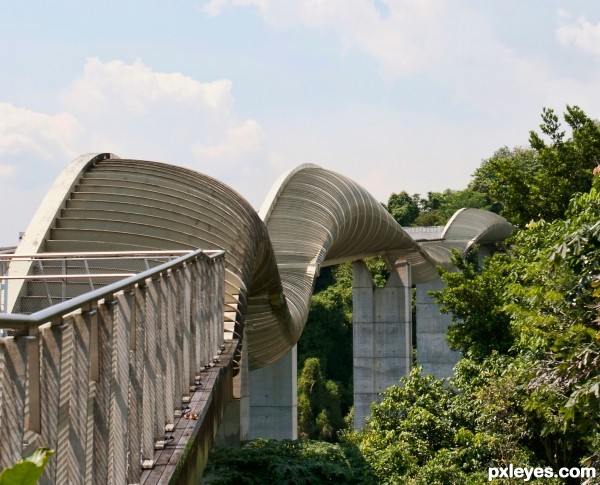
6,170
239,142
453,48
135,89
34,147
28,138
132,111
581,34
403,41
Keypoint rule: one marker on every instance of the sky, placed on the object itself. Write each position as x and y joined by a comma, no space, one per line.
396,94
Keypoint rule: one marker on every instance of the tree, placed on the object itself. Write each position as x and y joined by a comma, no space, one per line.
327,337
403,207
535,183
474,298
544,292
319,403
439,207
425,432
293,462
507,177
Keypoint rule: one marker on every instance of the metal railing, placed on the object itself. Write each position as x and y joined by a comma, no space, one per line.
40,280
3,284
102,377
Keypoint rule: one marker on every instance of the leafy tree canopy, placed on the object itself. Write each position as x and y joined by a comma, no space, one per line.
287,462
534,183
435,209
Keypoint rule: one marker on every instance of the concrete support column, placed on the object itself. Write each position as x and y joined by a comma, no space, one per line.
382,335
274,399
235,425
433,352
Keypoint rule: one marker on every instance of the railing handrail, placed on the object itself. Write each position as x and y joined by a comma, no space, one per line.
63,276
93,254
16,321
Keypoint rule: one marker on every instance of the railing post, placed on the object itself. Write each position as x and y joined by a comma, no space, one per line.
195,336
215,303
170,346
205,314
152,428
111,413
91,317
180,376
136,376
50,383
13,385
33,365
185,323
119,392
162,358
74,399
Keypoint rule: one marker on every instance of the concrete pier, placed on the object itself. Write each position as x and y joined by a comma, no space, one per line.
433,352
382,335
274,399
235,426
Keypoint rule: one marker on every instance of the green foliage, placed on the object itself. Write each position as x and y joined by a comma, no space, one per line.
507,178
328,335
403,207
442,469
426,432
527,387
325,352
544,389
26,471
378,269
538,182
436,209
319,403
439,207
480,325
404,431
288,462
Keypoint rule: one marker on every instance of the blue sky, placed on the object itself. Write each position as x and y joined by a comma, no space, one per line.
397,94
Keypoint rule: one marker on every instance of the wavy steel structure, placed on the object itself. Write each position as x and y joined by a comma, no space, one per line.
312,218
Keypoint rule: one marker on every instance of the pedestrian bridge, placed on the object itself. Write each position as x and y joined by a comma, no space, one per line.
143,294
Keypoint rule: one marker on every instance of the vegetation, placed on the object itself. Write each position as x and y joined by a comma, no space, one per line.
325,349
325,353
437,208
288,462
26,471
424,432
527,324
535,183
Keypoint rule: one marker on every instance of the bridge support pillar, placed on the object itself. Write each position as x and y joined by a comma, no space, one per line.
274,399
382,335
433,352
236,421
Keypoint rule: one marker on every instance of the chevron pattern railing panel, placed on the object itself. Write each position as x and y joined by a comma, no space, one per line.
103,378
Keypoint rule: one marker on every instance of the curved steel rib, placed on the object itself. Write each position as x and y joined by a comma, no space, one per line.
311,218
